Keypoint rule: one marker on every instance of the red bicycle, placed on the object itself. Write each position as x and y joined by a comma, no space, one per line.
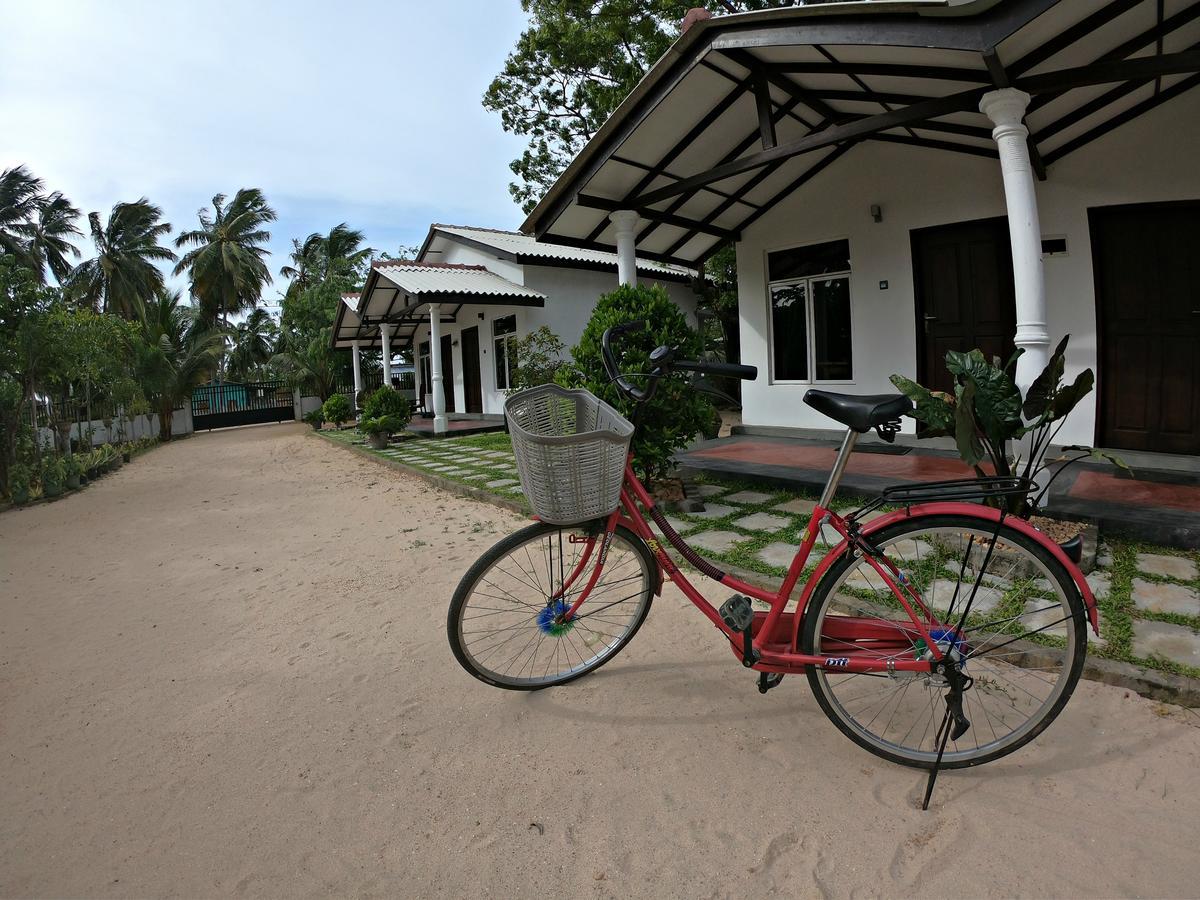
946,633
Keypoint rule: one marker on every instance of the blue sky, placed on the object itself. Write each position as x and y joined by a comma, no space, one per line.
362,111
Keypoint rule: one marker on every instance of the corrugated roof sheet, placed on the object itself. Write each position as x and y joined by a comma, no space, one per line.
417,279
527,245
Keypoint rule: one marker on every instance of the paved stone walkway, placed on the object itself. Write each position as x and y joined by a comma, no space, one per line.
1149,597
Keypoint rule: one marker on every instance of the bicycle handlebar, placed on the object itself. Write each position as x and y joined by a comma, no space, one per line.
664,363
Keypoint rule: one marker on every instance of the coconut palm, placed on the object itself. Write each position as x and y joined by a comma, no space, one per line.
226,265
123,273
177,351
324,257
314,369
253,343
49,240
19,194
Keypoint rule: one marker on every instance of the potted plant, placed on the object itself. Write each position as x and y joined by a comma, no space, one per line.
337,410
379,429
20,481
72,472
316,419
126,452
52,476
385,412
987,414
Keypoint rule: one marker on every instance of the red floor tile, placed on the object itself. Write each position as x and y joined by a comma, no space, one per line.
910,467
1090,485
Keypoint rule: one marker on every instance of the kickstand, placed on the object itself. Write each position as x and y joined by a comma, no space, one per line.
943,735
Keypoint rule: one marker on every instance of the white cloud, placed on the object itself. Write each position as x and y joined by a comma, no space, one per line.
366,112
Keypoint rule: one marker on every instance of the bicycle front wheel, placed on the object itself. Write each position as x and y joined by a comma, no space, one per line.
508,625
1021,647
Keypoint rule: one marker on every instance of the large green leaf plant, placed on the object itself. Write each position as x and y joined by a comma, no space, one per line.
987,414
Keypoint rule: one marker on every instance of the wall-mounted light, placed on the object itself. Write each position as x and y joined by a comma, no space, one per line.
481,317
876,212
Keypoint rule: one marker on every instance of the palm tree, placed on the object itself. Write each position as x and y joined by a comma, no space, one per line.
49,242
123,273
176,353
314,369
19,193
35,226
253,343
303,270
226,264
324,257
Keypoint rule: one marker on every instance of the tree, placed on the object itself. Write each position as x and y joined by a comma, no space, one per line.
177,350
50,238
327,258
572,67
123,274
226,265
315,367
36,227
253,345
19,193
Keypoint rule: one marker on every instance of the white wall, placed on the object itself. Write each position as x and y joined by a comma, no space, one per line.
570,298
1151,159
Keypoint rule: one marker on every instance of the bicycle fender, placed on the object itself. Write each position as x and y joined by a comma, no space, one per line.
988,514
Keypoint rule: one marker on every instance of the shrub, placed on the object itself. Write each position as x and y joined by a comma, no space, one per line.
52,476
381,425
337,409
20,480
539,357
71,466
387,402
677,412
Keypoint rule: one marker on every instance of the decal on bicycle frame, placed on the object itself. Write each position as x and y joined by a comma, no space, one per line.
837,662
608,536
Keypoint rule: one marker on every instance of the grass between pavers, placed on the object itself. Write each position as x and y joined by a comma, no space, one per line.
472,461
1117,610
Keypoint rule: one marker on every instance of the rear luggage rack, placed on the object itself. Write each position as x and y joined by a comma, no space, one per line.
964,489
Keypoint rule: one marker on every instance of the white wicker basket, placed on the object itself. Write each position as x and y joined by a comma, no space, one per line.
571,448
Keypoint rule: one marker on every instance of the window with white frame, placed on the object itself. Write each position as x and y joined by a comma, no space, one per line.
504,337
809,290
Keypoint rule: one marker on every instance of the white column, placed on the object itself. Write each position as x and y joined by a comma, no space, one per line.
625,223
354,351
1006,108
435,368
385,332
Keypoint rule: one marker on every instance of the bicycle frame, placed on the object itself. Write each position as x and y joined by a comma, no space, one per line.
776,632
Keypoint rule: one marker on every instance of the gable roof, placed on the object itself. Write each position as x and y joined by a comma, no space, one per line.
422,279
528,250
744,109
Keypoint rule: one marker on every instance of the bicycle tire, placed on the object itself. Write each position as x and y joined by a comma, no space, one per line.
826,599
624,540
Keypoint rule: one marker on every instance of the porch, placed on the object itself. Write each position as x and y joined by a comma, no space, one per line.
1157,504
457,425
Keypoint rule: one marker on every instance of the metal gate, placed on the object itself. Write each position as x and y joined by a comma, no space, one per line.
253,403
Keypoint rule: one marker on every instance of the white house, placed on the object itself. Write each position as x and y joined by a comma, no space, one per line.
471,293
905,178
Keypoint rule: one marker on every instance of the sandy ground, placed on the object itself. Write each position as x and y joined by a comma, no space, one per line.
224,671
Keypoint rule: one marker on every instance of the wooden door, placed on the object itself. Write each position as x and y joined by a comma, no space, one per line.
1146,260
472,386
964,295
448,372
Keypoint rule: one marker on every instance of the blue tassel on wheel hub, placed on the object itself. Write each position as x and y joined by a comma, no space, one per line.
550,619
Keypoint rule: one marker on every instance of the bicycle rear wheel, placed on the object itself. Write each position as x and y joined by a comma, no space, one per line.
1022,646
506,621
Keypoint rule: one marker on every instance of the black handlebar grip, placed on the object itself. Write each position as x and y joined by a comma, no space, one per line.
720,369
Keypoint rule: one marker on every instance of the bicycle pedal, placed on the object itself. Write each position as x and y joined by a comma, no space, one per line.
737,613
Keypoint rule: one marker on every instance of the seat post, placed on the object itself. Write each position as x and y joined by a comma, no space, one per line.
839,468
